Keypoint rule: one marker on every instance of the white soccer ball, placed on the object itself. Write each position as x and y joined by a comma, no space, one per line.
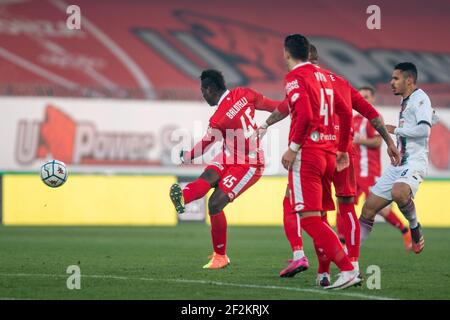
54,173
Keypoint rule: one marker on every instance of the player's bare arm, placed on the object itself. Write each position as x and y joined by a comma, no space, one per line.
274,117
384,131
281,112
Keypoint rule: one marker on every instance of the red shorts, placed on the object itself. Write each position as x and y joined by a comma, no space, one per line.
310,181
363,186
236,178
345,180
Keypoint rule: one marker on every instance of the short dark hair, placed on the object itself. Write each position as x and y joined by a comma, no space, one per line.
298,46
313,54
369,88
213,79
408,69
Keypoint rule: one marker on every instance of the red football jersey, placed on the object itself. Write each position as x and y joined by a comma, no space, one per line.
352,97
312,105
235,123
367,160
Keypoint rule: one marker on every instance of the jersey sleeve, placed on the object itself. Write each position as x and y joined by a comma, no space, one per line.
362,106
424,112
302,113
212,135
261,102
283,107
344,112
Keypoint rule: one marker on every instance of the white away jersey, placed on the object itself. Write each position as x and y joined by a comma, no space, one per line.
416,109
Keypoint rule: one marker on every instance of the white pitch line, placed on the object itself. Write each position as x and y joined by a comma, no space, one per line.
205,282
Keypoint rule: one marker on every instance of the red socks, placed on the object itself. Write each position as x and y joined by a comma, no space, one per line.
219,232
324,261
195,190
325,238
292,228
394,220
340,227
351,229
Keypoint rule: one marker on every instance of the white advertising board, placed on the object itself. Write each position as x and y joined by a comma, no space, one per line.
129,136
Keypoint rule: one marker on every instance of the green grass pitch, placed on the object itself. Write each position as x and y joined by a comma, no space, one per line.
166,263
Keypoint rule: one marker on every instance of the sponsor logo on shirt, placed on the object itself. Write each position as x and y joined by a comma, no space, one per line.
291,86
316,136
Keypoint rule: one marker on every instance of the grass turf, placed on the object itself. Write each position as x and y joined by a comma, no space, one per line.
165,263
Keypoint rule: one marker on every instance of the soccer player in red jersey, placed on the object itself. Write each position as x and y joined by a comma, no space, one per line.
367,145
312,156
237,167
344,182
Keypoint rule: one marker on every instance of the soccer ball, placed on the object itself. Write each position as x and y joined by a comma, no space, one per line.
54,173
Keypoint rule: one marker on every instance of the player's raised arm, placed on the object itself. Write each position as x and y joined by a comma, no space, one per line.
370,113
280,112
212,135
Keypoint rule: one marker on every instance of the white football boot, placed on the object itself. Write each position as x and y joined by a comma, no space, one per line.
346,279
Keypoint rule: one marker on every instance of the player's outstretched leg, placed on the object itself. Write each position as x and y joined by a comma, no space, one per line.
176,195
395,221
194,190
216,204
292,229
401,194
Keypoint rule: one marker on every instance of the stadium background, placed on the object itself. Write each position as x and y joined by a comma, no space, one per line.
106,99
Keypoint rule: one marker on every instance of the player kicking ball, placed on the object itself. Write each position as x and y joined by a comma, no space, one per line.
237,168
400,184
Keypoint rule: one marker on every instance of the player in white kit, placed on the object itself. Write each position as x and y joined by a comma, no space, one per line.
400,183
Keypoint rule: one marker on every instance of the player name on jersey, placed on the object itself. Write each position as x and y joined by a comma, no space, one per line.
241,103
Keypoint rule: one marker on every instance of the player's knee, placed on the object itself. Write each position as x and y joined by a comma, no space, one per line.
400,195
216,203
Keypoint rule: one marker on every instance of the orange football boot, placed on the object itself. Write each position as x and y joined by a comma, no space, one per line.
217,261
407,241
